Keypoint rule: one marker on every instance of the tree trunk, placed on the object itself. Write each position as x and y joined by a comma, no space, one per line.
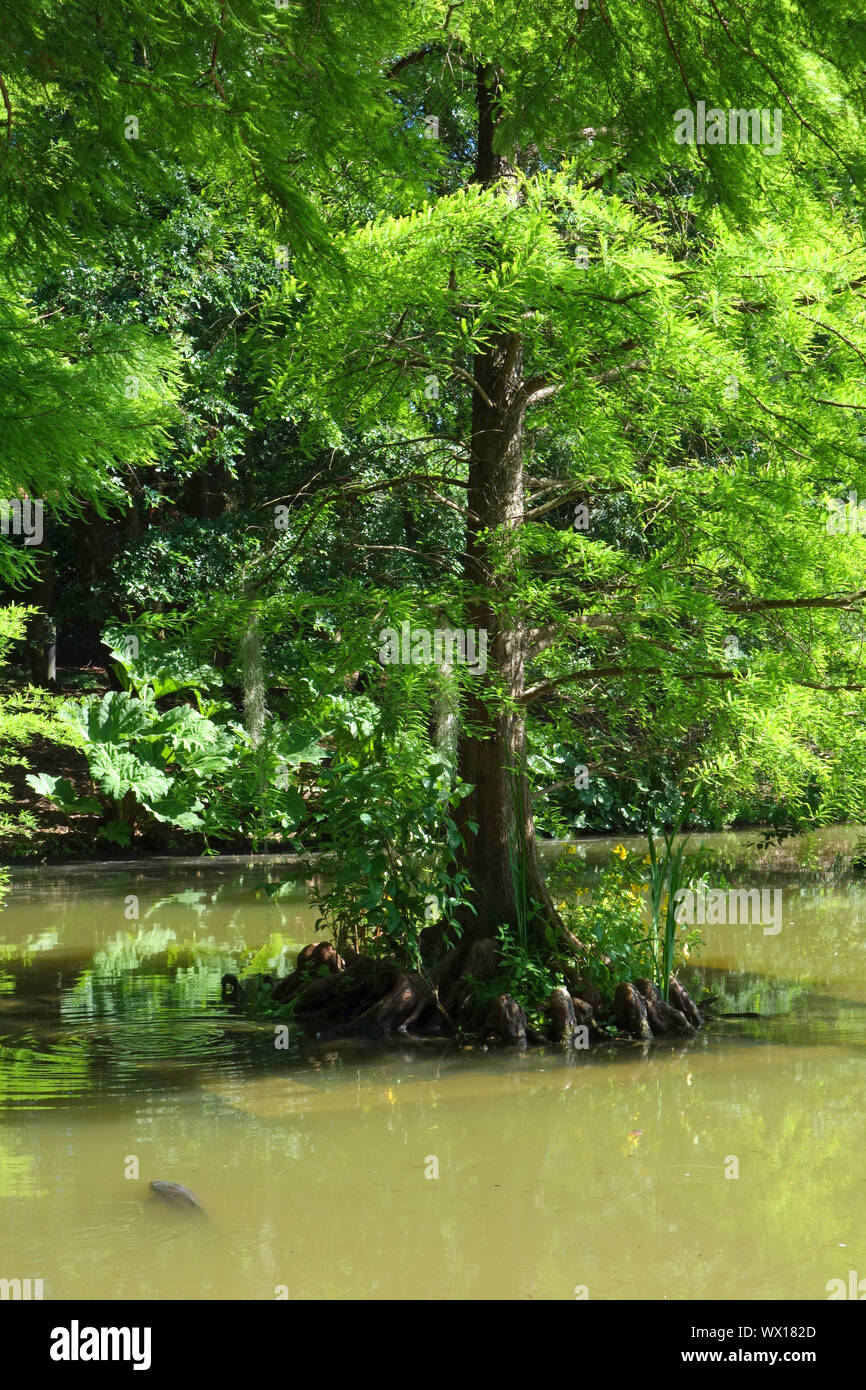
252,665
41,628
206,493
95,540
493,742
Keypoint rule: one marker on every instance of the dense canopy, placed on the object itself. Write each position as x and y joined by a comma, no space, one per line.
540,326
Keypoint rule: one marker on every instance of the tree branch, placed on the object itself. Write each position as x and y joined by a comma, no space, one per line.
535,692
416,56
8,105
760,605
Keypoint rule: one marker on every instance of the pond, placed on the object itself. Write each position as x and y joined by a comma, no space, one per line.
731,1166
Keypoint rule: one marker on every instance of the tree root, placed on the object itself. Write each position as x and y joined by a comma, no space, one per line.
506,1022
356,994
663,1018
683,1001
629,1010
640,1010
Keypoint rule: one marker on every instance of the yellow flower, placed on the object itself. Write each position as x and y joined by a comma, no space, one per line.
621,851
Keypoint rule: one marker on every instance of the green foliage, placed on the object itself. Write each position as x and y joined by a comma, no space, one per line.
151,668
176,765
623,916
518,867
394,838
526,974
79,404
179,564
259,792
239,96
12,627
141,761
61,791
25,716
667,878
708,511
383,809
609,917
282,262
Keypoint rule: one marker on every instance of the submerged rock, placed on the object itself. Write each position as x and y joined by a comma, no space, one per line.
176,1195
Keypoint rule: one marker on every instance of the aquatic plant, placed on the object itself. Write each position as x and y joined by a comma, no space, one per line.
667,876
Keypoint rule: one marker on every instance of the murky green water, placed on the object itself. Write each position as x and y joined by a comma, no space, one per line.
317,1165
